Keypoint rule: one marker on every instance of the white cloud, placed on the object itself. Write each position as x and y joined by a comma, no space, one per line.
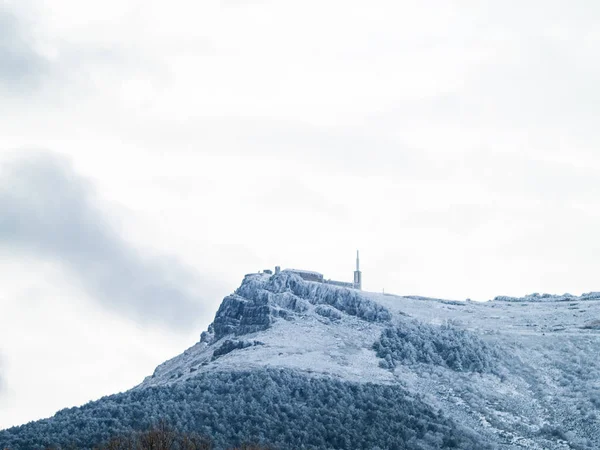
61,348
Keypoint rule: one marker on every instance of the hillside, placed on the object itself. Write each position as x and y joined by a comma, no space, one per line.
300,364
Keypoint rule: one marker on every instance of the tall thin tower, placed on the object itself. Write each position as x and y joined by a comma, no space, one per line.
357,274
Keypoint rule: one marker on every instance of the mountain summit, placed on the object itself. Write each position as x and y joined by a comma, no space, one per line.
302,364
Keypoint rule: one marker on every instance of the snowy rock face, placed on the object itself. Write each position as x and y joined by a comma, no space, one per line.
300,324
262,298
229,346
238,315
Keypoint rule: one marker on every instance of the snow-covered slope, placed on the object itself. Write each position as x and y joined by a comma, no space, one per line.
546,382
508,373
288,323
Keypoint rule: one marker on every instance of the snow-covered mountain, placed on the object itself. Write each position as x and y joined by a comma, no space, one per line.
301,364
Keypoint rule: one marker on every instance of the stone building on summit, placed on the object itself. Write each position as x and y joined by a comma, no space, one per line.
317,277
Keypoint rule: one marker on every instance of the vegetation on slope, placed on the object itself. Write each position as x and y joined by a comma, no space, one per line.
417,342
278,407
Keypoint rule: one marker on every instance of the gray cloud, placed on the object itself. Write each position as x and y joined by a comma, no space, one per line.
49,211
20,64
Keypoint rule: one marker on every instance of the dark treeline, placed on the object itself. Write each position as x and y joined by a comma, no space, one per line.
164,437
160,437
281,408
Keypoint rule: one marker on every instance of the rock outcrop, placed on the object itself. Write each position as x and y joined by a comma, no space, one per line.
263,298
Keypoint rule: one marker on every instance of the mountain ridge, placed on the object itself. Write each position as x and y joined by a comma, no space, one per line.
517,373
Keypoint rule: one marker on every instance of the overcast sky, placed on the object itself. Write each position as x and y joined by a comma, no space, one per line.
152,153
